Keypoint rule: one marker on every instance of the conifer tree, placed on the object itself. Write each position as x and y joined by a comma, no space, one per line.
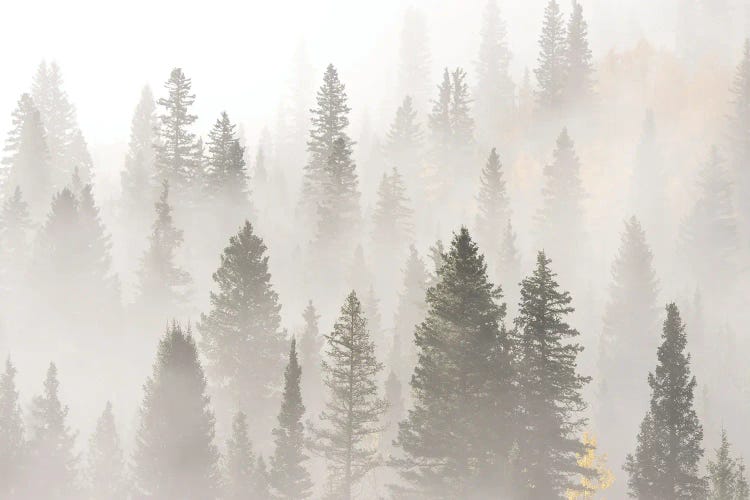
163,284
495,89
630,329
12,440
739,136
310,347
668,452
177,152
414,58
14,228
392,218
551,64
241,335
493,205
262,480
239,462
508,269
353,406
137,179
403,142
578,66
394,414
726,474
455,437
226,176
80,158
52,445
647,184
106,463
175,456
462,123
549,385
23,111
289,477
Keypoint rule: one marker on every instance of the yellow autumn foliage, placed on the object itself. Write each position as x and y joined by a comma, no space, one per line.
601,479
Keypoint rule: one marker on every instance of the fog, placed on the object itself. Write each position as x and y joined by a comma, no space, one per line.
327,249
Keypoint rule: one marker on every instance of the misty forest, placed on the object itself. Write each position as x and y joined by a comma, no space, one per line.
498,251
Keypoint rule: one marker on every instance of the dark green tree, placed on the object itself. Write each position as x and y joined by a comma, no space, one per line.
289,477
226,176
175,456
549,385
455,439
106,463
551,64
12,440
668,452
353,406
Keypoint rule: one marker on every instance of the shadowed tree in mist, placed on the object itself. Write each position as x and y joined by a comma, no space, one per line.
289,477
106,472
245,478
493,205
414,58
551,65
578,61
13,451
310,347
403,142
175,456
647,189
665,464
726,474
392,218
138,177
51,446
353,406
455,439
226,179
14,244
241,336
739,136
508,268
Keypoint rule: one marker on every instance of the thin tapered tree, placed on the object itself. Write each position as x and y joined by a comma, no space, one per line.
493,205
550,71
13,452
138,179
106,463
578,60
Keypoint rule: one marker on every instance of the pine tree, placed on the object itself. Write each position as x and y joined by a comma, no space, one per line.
227,176
392,218
551,70
239,462
739,136
578,66
455,438
137,179
261,480
353,407
177,152
289,477
549,385
414,58
493,205
329,142
163,284
712,220
12,440
462,124
52,445
14,228
106,463
394,414
508,269
24,109
175,456
410,312
80,158
495,89
403,142
241,335
668,452
310,347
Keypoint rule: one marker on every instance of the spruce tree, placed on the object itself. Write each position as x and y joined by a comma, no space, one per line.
508,269
137,179
289,477
403,142
106,462
163,285
12,440
493,209
241,336
226,176
578,65
551,65
310,347
455,439
353,406
462,123
177,152
23,111
549,386
630,329
175,456
495,89
668,452
80,158
739,136
392,218
52,445
14,245
395,413
239,462
726,474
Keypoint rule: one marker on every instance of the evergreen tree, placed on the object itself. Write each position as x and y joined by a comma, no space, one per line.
227,176
239,462
24,109
106,463
177,152
241,336
51,445
163,284
578,65
310,347
508,270
630,330
403,142
137,179
262,480
739,136
12,440
551,63
726,474
668,452
80,158
392,218
493,205
414,58
647,184
462,124
14,228
549,385
289,477
394,414
175,456
353,408
456,436
709,235
495,89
